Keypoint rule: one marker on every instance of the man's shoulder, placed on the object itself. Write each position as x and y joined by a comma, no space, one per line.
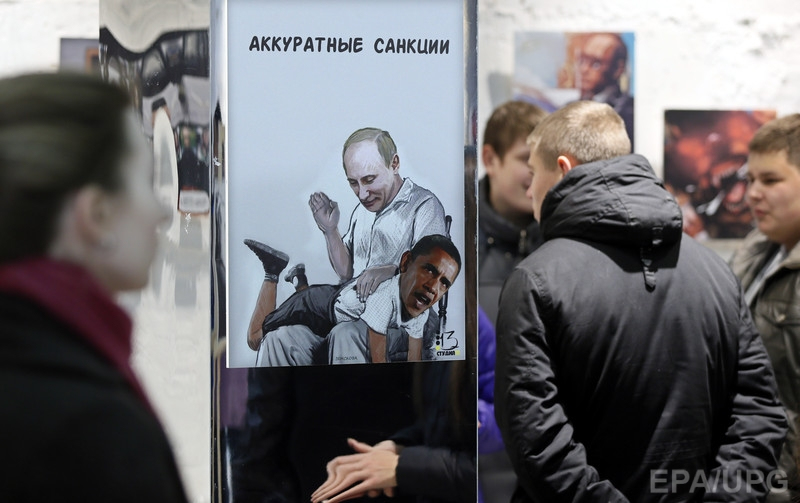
695,250
417,193
555,249
559,254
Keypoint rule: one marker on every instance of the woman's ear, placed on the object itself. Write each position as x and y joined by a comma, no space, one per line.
82,226
91,214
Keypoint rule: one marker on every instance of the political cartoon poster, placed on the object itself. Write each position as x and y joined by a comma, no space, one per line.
345,150
705,166
552,69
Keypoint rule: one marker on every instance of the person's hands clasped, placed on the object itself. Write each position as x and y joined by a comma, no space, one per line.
369,280
372,469
325,211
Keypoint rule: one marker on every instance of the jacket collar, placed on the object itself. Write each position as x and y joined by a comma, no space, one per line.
757,244
619,201
494,226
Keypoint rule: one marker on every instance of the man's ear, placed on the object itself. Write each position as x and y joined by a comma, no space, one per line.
405,259
566,163
490,159
395,164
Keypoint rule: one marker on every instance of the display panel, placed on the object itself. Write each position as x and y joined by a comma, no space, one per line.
278,137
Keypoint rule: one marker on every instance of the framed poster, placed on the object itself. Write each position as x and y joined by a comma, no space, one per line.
333,114
346,142
552,69
705,163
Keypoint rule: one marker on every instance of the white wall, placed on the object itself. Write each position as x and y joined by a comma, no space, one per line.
31,30
713,54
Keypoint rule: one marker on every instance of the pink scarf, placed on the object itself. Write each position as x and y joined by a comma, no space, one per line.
71,295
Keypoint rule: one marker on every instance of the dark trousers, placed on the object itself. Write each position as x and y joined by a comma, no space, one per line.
312,307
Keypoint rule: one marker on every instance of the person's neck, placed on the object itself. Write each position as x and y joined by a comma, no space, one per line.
396,185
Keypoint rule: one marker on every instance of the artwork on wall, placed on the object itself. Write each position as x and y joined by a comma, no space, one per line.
705,163
80,54
552,69
346,149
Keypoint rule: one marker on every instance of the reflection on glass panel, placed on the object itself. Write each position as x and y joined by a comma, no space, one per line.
143,47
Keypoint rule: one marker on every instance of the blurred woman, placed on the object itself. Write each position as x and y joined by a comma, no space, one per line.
78,221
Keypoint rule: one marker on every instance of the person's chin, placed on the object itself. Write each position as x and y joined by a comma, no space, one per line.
415,311
766,229
372,206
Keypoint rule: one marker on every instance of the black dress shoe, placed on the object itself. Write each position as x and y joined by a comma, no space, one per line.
295,272
298,272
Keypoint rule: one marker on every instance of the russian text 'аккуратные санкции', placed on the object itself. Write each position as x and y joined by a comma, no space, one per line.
348,45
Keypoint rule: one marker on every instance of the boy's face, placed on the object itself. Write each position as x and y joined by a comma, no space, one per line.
773,185
425,279
509,180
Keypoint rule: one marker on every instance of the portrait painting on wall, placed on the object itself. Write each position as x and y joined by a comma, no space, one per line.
705,166
80,54
345,183
552,69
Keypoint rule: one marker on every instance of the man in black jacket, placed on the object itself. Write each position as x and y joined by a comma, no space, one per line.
628,368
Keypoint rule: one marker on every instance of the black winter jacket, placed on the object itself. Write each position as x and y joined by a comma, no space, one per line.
72,428
501,246
626,357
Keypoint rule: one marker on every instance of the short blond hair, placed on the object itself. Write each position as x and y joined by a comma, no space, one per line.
586,130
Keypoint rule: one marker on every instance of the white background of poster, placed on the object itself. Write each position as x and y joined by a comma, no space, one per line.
290,113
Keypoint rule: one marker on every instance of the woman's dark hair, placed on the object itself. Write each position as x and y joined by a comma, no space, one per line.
59,132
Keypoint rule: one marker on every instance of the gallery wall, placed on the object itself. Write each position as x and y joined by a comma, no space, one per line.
719,54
